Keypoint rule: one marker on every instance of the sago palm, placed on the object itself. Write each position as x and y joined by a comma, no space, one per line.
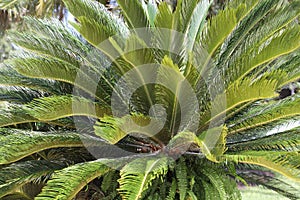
162,103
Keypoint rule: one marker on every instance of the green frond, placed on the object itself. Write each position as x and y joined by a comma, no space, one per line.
195,24
137,175
265,113
269,182
243,11
12,114
134,13
9,77
47,47
240,93
285,163
94,32
268,51
57,31
181,177
212,182
212,38
110,129
289,64
265,30
175,94
168,36
17,144
151,11
15,94
57,107
164,17
66,183
18,174
172,190
113,129
272,128
288,141
220,184
259,11
91,12
34,66
245,91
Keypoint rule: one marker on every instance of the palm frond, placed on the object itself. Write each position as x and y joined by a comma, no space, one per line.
253,17
113,129
91,12
285,163
13,94
18,174
77,176
57,107
137,175
176,95
57,31
269,181
195,24
268,51
265,30
238,94
54,69
46,47
12,114
287,140
134,13
213,142
212,38
264,114
181,177
269,129
17,144
221,184
9,77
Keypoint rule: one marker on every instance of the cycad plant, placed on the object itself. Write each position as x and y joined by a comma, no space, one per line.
162,103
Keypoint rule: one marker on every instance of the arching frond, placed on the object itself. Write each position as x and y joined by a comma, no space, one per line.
57,107
265,130
270,182
15,94
213,142
195,24
17,174
9,77
137,175
240,93
113,129
285,163
134,13
17,144
255,15
47,47
91,12
264,31
78,176
55,30
288,140
56,70
222,186
263,114
12,114
268,51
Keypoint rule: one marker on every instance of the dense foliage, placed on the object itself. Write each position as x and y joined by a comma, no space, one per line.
197,123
